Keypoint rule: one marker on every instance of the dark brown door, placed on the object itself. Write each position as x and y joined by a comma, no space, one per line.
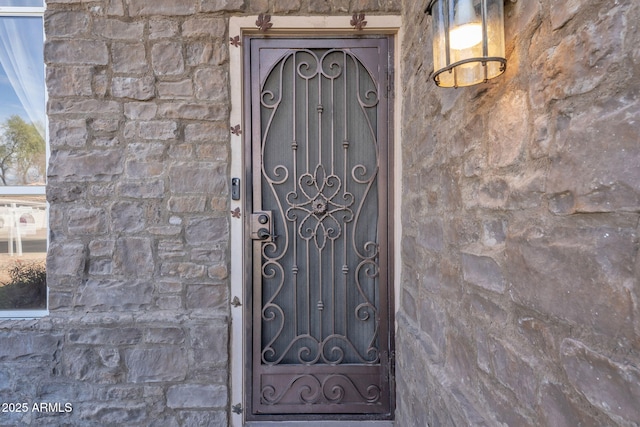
319,150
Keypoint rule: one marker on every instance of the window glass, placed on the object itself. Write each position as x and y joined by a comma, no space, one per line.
23,250
23,159
23,3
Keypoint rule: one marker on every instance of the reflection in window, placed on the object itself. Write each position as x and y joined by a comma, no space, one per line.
23,159
23,250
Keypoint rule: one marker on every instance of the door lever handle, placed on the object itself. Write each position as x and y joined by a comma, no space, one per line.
263,234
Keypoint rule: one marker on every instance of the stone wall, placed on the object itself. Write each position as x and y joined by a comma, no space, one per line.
520,292
138,262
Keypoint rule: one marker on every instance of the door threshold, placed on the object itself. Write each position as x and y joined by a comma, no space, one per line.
319,423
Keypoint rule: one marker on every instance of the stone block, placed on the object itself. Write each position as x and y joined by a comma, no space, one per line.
286,6
483,271
208,297
100,267
94,165
87,365
65,391
581,269
222,5
156,364
164,230
167,58
430,235
432,320
105,125
163,130
116,29
209,256
218,272
211,84
505,130
93,107
25,346
106,142
193,111
128,58
596,163
203,418
69,81
160,28
206,132
580,62
146,151
84,52
128,217
118,336
151,189
68,132
556,409
114,295
58,301
139,169
182,204
87,221
409,305
99,247
66,259
114,413
182,89
196,396
207,231
486,309
66,24
170,249
161,7
141,89
202,52
184,270
140,110
133,257
166,335
199,178
612,387
115,8
204,27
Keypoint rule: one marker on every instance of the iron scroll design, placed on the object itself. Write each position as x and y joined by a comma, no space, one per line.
311,389
326,251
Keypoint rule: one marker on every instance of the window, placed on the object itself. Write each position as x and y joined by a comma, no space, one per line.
23,160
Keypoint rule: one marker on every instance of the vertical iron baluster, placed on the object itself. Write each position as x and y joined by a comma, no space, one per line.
294,147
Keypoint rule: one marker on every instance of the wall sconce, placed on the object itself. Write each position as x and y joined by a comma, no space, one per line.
468,41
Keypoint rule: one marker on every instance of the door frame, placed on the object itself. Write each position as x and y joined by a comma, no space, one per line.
292,26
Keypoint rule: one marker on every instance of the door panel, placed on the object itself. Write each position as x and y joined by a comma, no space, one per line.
320,317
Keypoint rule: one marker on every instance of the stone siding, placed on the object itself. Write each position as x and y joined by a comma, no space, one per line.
519,301
521,203
138,263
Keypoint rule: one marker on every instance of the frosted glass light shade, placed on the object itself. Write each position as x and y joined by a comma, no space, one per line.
468,41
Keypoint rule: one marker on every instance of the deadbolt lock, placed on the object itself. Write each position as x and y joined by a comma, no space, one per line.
262,226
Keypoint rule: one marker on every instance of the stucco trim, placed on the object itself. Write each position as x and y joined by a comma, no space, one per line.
295,25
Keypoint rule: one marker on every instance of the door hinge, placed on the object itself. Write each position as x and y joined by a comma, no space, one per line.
237,408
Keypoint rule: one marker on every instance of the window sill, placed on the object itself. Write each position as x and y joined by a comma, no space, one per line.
23,314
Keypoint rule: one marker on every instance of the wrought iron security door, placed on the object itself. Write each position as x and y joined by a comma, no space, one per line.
320,283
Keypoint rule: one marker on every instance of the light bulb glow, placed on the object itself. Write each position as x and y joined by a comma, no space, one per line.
465,36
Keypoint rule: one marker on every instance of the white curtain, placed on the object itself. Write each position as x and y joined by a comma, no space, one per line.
21,57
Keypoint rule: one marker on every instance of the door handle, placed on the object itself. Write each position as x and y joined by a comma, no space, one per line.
264,234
